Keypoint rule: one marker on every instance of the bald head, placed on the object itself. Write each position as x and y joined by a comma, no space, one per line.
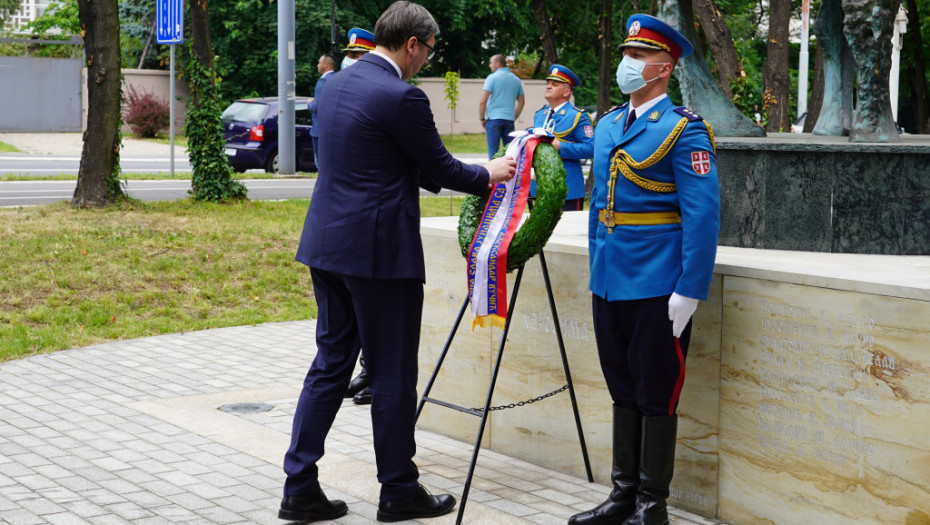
497,62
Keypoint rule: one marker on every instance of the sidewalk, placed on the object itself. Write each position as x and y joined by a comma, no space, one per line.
71,145
129,432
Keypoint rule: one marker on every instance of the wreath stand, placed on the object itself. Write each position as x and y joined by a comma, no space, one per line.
483,413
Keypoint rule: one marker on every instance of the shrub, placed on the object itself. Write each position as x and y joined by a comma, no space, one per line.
146,114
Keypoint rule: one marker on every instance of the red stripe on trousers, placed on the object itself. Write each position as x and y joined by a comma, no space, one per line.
681,378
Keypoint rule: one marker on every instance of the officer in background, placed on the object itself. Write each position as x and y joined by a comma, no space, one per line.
652,242
360,42
574,135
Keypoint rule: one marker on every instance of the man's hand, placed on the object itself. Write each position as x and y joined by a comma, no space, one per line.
501,169
483,124
680,310
557,144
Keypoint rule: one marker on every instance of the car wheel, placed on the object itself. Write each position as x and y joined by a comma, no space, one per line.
271,166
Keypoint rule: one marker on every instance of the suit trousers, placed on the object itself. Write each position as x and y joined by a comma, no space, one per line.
382,318
642,362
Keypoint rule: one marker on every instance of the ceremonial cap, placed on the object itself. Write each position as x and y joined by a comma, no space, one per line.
648,32
563,74
360,40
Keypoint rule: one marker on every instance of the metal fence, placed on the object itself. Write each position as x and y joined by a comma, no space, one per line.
40,94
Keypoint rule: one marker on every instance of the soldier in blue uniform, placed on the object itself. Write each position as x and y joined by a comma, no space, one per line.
652,242
574,135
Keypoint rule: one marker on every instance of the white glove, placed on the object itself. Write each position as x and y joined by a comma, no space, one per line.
680,310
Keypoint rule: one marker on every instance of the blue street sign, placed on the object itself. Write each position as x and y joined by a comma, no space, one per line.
169,21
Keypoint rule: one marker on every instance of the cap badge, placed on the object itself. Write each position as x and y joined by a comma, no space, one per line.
352,38
555,70
634,28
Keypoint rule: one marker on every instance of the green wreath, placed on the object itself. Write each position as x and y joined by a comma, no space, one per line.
534,233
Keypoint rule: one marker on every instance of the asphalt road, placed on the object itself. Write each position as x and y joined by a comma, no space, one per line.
31,193
44,165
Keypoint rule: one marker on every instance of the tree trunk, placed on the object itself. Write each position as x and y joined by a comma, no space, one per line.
545,32
98,175
720,42
604,76
200,33
775,82
917,72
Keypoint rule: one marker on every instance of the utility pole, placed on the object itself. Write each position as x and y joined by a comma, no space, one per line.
287,87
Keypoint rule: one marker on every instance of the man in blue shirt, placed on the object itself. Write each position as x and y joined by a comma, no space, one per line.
501,104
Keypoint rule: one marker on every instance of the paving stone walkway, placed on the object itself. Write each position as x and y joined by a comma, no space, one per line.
130,432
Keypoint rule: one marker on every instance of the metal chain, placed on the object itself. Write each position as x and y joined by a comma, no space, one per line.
527,402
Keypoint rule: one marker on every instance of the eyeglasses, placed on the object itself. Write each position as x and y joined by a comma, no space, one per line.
432,52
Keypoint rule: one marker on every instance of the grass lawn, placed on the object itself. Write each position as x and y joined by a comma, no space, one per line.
8,148
474,143
76,277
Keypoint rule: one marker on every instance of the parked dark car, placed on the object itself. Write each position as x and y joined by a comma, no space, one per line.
250,128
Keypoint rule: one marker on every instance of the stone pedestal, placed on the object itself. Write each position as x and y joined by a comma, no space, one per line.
807,389
824,194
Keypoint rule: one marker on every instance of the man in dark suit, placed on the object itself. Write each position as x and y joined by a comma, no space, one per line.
325,66
361,240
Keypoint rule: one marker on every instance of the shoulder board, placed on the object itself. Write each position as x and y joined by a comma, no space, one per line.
687,113
609,111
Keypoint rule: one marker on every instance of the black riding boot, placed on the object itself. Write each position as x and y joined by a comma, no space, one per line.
656,466
359,382
624,475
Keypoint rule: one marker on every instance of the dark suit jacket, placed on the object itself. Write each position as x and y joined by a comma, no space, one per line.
377,141
315,106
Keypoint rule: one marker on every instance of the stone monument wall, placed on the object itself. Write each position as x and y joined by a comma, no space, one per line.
824,194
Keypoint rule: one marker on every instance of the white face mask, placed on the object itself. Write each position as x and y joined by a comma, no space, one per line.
630,74
346,62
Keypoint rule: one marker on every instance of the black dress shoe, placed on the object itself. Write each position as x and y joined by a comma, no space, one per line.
311,507
363,397
421,505
359,383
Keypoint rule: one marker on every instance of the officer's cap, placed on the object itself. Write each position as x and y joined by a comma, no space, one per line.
648,32
563,74
360,40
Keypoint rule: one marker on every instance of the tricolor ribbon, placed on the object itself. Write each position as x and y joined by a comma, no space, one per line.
487,256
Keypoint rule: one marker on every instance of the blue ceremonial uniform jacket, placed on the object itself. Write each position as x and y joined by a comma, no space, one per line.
378,144
643,261
315,106
573,128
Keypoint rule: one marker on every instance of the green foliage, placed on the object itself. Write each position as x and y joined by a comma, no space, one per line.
136,18
244,34
212,176
58,22
62,16
451,89
7,8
